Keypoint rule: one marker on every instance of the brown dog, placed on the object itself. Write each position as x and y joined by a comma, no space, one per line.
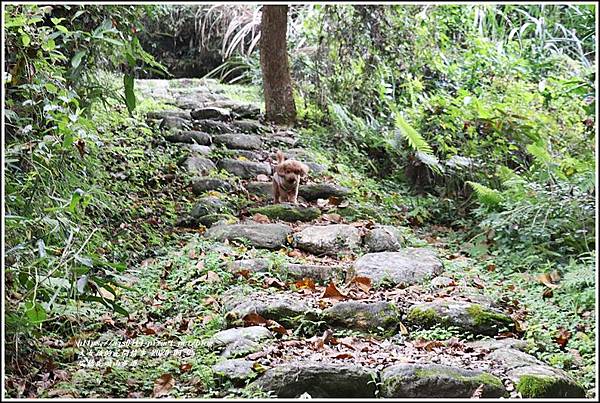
286,179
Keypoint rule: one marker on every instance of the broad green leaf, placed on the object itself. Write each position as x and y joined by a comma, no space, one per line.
49,45
112,41
51,88
35,312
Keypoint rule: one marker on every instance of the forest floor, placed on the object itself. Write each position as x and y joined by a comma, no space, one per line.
347,294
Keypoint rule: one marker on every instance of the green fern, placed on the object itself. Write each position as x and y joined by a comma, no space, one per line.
414,139
539,152
485,195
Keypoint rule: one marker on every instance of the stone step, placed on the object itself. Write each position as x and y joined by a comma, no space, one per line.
201,185
190,137
238,141
287,212
198,165
331,240
404,267
213,113
157,115
363,315
467,316
296,271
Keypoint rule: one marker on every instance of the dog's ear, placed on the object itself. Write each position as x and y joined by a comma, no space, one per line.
280,157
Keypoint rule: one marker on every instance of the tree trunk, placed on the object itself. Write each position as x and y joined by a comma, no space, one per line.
277,83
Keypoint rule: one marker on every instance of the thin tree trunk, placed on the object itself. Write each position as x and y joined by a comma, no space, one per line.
277,83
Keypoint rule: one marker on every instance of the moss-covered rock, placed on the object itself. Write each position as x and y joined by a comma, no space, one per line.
470,317
362,315
288,212
434,380
536,386
211,219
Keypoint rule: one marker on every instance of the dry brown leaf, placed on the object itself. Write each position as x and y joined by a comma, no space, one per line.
427,344
242,273
364,283
403,329
276,327
549,279
344,356
305,283
254,319
185,367
274,282
295,253
163,385
477,392
333,293
332,217
261,218
563,337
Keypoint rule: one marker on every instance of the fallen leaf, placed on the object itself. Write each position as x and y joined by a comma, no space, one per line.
364,283
332,292
295,253
276,327
305,283
548,293
274,282
163,385
478,282
427,344
403,329
261,218
344,356
563,337
332,217
548,279
477,392
242,273
254,319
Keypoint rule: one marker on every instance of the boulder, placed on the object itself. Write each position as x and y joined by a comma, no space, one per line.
211,113
174,122
239,341
314,191
290,270
199,165
213,126
328,239
384,238
237,370
202,185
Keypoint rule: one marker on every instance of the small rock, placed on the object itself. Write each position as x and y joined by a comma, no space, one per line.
198,149
328,239
244,169
287,212
238,141
237,370
209,205
384,238
241,341
190,137
441,282
437,381
269,236
173,122
217,219
199,165
202,185
319,380
211,113
263,190
405,267
362,315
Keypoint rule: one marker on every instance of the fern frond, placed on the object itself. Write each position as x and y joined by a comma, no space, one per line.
539,152
414,139
485,195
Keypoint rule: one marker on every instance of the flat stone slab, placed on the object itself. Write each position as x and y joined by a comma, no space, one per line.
287,212
244,169
314,191
268,236
535,379
198,149
190,137
495,344
237,370
238,141
211,113
437,381
282,308
384,238
171,113
292,270
319,380
406,267
248,154
362,315
328,239
199,165
202,185
467,316
239,341
241,109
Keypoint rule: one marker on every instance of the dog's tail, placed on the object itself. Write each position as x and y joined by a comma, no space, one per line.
280,157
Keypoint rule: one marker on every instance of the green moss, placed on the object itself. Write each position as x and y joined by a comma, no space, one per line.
487,318
537,386
287,212
484,378
211,219
426,317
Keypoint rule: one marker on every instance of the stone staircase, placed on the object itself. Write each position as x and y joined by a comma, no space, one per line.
356,279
